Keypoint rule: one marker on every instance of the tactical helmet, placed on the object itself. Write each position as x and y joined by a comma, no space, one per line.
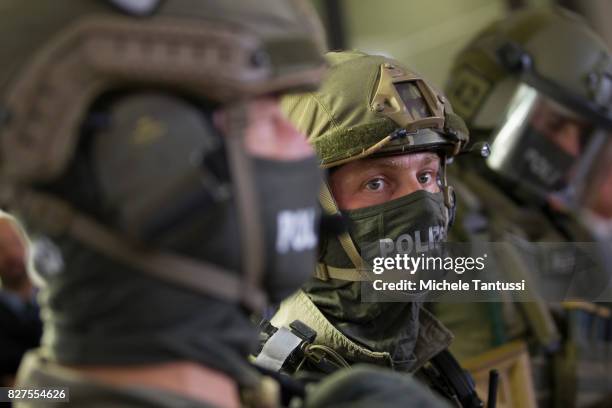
538,84
216,52
392,111
395,112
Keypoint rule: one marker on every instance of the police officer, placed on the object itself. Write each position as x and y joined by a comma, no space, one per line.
538,86
385,136
142,144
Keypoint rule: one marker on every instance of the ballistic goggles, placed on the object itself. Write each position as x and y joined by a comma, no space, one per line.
550,140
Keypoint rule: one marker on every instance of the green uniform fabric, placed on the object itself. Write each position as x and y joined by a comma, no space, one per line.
431,336
38,372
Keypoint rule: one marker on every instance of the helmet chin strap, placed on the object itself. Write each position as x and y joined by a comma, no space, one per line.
449,196
325,272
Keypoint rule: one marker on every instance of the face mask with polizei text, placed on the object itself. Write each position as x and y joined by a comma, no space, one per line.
411,225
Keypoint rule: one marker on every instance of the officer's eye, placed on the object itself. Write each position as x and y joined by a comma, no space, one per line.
425,177
375,185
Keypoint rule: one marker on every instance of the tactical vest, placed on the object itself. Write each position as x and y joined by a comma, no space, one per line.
311,348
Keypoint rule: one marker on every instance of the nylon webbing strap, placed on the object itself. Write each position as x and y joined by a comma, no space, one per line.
327,201
55,217
277,349
329,206
326,272
251,230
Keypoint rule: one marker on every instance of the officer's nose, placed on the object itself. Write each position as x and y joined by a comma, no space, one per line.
409,186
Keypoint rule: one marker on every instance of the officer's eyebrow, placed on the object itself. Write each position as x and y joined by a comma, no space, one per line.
395,162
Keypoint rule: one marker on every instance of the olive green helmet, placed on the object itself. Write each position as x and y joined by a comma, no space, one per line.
538,85
392,111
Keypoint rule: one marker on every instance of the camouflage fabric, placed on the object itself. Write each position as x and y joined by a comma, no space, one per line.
432,337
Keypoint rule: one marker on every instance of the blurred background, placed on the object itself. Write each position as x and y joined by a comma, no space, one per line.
426,34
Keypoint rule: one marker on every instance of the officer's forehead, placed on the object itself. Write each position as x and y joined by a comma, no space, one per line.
397,163
402,161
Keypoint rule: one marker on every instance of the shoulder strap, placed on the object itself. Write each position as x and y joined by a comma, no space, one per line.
325,272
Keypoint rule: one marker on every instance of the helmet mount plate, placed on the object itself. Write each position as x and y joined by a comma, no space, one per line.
406,99
136,7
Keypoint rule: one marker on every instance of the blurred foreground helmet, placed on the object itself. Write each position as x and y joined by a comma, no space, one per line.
65,73
207,49
539,86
